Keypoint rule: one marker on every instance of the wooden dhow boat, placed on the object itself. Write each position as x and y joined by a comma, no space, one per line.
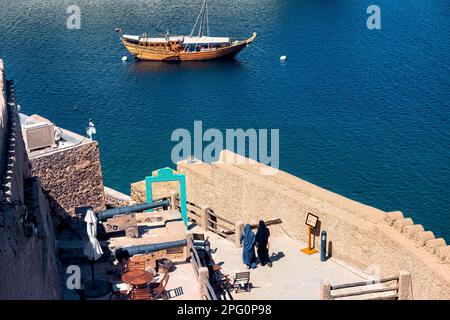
185,48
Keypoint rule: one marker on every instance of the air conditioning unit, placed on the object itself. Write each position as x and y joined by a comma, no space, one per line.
38,133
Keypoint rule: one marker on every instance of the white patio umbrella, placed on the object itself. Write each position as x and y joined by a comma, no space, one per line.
92,250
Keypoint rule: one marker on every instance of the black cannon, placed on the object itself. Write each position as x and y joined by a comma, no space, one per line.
124,218
127,252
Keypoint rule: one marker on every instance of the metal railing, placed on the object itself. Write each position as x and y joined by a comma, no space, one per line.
210,294
195,259
202,278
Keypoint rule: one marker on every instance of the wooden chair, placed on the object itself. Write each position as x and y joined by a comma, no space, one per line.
172,293
135,265
141,294
160,289
199,240
198,236
223,281
242,282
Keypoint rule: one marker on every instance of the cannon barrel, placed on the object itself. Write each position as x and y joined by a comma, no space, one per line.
106,214
127,252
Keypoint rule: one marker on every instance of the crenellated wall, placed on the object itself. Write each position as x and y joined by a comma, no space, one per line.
28,265
3,117
361,235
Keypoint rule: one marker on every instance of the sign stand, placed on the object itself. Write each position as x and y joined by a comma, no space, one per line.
309,250
311,222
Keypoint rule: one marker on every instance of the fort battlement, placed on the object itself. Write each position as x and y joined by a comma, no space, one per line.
362,236
28,267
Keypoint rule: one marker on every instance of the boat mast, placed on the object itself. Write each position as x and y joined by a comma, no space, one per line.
204,23
207,22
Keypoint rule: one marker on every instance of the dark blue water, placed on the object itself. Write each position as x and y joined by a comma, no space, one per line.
363,113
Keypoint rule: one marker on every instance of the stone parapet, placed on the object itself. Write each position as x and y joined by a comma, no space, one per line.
411,230
114,198
361,235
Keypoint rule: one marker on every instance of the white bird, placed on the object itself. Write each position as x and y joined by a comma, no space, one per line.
124,58
283,58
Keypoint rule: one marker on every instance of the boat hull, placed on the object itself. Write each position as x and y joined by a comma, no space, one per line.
148,53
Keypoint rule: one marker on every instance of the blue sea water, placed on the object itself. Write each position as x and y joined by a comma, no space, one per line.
363,113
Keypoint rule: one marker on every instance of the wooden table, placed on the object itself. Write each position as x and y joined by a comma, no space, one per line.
137,277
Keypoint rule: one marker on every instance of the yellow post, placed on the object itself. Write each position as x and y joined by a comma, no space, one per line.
309,250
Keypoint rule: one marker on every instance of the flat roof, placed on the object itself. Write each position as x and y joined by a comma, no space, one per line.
68,140
184,39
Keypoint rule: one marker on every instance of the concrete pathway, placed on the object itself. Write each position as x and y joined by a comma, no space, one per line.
293,275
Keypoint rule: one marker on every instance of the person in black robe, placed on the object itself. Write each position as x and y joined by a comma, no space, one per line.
262,244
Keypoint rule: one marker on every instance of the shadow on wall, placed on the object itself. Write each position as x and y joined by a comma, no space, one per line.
317,229
61,218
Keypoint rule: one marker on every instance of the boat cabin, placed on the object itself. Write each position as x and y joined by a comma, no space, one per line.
179,43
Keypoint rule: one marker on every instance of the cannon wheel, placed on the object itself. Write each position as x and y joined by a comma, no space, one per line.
131,232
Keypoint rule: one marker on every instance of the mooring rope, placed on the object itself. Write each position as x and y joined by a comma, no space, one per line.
263,51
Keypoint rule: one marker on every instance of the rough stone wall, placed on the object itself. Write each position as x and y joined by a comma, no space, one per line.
71,178
138,192
361,235
114,198
3,115
28,265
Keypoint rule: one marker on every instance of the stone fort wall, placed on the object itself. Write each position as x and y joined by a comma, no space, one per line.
71,178
362,236
3,116
28,265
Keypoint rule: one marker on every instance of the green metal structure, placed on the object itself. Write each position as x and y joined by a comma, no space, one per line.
167,175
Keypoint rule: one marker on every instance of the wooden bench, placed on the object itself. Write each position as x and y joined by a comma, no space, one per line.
135,265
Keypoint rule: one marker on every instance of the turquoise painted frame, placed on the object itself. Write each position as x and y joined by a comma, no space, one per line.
167,175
